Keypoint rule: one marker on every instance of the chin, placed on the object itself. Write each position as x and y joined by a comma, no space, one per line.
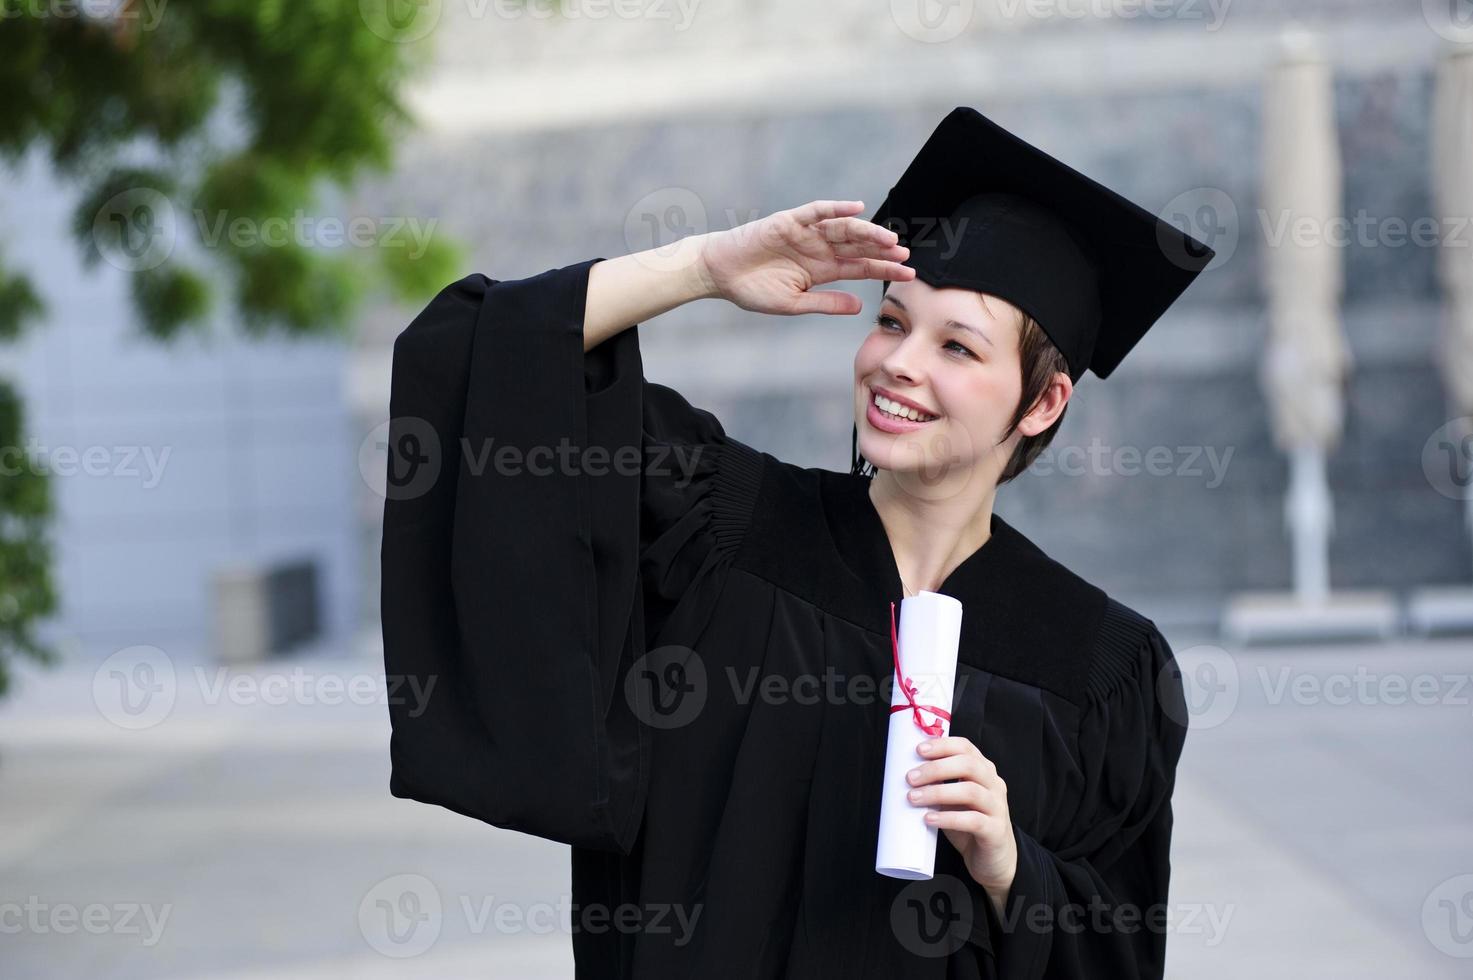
879,449
932,454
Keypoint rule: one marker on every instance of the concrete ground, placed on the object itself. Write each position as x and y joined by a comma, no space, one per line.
162,818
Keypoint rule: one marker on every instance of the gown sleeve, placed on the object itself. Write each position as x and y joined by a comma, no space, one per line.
540,501
1093,904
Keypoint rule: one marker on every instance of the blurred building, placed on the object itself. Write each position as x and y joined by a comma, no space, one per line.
549,142
171,462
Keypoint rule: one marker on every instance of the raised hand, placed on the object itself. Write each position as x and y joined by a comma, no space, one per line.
772,264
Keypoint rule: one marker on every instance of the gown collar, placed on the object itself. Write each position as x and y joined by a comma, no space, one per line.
1024,616
864,546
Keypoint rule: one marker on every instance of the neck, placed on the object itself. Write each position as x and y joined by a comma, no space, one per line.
932,530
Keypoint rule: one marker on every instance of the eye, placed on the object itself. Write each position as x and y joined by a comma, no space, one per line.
885,322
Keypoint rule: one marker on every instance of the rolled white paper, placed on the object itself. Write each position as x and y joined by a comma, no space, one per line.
930,626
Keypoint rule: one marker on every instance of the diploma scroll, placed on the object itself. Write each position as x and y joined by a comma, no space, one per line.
920,709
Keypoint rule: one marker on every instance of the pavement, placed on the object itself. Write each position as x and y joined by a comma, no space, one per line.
164,817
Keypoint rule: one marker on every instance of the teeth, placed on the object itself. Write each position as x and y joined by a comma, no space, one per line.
901,411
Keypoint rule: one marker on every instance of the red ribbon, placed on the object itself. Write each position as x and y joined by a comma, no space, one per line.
906,685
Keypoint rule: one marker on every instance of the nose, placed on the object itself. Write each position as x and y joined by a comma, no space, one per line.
898,363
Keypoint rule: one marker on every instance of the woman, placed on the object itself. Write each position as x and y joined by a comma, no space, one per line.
672,651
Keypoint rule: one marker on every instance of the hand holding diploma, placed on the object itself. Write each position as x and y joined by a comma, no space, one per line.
958,789
973,810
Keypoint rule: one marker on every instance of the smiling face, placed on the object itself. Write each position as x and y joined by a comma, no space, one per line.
953,355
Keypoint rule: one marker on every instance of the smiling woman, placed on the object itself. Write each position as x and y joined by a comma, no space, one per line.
1025,347
690,683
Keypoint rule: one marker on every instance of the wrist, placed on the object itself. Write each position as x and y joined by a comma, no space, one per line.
999,896
698,283
634,287
999,888
668,276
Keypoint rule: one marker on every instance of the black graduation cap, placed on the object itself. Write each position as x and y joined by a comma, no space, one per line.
980,208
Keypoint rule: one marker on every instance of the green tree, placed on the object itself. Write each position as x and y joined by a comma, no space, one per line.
198,133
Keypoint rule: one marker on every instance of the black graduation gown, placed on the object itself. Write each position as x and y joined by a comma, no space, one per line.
680,667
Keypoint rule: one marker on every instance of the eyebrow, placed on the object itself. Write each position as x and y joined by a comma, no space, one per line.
949,323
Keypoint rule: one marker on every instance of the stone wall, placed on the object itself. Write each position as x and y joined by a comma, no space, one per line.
1176,544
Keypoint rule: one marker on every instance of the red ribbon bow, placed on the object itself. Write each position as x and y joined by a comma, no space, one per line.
906,685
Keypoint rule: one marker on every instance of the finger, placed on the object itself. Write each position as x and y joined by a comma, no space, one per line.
964,794
967,821
831,301
955,767
954,745
854,229
968,766
871,250
945,745
874,269
814,211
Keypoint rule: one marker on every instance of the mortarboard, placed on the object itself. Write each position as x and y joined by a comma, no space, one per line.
982,209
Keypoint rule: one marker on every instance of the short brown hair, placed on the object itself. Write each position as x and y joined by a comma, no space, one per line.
1040,361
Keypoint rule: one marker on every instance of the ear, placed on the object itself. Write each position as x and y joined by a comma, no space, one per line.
1049,407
